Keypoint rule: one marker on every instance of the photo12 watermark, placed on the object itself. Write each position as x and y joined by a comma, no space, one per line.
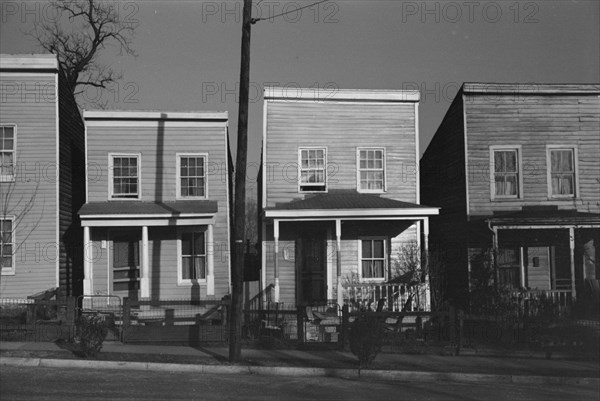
318,12
453,12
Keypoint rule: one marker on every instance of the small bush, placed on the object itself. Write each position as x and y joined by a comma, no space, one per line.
366,338
92,331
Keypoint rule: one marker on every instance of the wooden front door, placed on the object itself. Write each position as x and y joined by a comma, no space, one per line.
311,268
126,264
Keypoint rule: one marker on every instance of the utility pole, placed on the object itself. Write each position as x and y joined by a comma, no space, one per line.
237,273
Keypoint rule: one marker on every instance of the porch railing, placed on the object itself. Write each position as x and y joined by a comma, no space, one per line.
384,296
533,302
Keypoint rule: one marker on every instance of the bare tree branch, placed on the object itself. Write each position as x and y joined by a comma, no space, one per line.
93,26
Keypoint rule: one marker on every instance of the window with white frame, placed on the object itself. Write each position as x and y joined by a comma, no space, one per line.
125,176
192,257
191,180
313,169
372,258
506,173
7,153
371,169
7,245
562,172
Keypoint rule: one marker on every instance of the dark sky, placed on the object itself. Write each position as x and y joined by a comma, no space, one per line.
189,51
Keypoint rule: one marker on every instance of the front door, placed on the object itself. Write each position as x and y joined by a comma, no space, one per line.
311,268
126,264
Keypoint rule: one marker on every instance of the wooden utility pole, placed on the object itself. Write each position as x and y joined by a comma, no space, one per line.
237,273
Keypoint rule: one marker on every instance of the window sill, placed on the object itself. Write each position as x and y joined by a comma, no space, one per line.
191,283
124,199
8,272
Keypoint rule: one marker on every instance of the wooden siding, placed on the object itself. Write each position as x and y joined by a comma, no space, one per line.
341,127
443,184
33,110
71,191
532,122
158,148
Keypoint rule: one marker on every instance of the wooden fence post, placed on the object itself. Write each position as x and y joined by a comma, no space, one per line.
345,329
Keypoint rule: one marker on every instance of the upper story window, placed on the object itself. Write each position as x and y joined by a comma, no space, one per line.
124,180
561,172
191,176
7,245
372,259
506,172
7,153
313,169
371,169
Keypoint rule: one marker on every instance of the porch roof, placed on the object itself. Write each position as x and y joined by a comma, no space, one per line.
545,217
136,213
347,204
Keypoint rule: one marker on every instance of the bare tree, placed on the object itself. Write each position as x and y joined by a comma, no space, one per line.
82,29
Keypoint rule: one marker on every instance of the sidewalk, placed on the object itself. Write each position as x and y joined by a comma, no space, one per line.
295,362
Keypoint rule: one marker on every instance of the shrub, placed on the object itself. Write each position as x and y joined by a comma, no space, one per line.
366,337
92,331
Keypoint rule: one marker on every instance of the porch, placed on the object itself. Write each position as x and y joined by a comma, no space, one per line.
149,250
321,248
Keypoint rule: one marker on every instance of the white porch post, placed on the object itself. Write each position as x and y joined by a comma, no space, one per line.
572,252
522,271
210,261
145,280
426,253
338,250
87,262
276,260
494,254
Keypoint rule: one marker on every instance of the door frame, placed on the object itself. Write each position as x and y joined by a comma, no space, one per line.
110,235
315,234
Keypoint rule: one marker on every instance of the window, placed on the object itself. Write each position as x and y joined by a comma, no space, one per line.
372,259
7,245
371,170
7,153
192,257
562,172
125,181
313,170
505,167
191,180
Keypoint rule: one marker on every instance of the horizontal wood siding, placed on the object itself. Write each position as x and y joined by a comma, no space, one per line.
71,191
341,127
33,110
533,122
158,148
443,184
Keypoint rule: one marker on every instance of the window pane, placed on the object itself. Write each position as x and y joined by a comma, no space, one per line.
199,248
186,243
511,161
186,265
367,271
499,162
200,267
366,249
378,269
378,248
7,261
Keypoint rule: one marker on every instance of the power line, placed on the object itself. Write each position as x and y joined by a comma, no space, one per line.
255,20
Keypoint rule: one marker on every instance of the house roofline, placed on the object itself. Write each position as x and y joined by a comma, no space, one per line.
336,94
530,88
137,115
28,62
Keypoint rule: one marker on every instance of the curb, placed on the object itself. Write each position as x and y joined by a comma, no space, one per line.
389,375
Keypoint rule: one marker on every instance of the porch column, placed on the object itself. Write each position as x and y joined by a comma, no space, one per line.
338,251
210,261
572,252
145,280
494,253
522,270
276,261
426,253
87,262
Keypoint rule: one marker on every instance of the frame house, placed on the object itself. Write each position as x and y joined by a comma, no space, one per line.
41,178
515,169
339,193
156,217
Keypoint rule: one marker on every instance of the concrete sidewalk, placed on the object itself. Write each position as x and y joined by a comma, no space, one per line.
213,359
